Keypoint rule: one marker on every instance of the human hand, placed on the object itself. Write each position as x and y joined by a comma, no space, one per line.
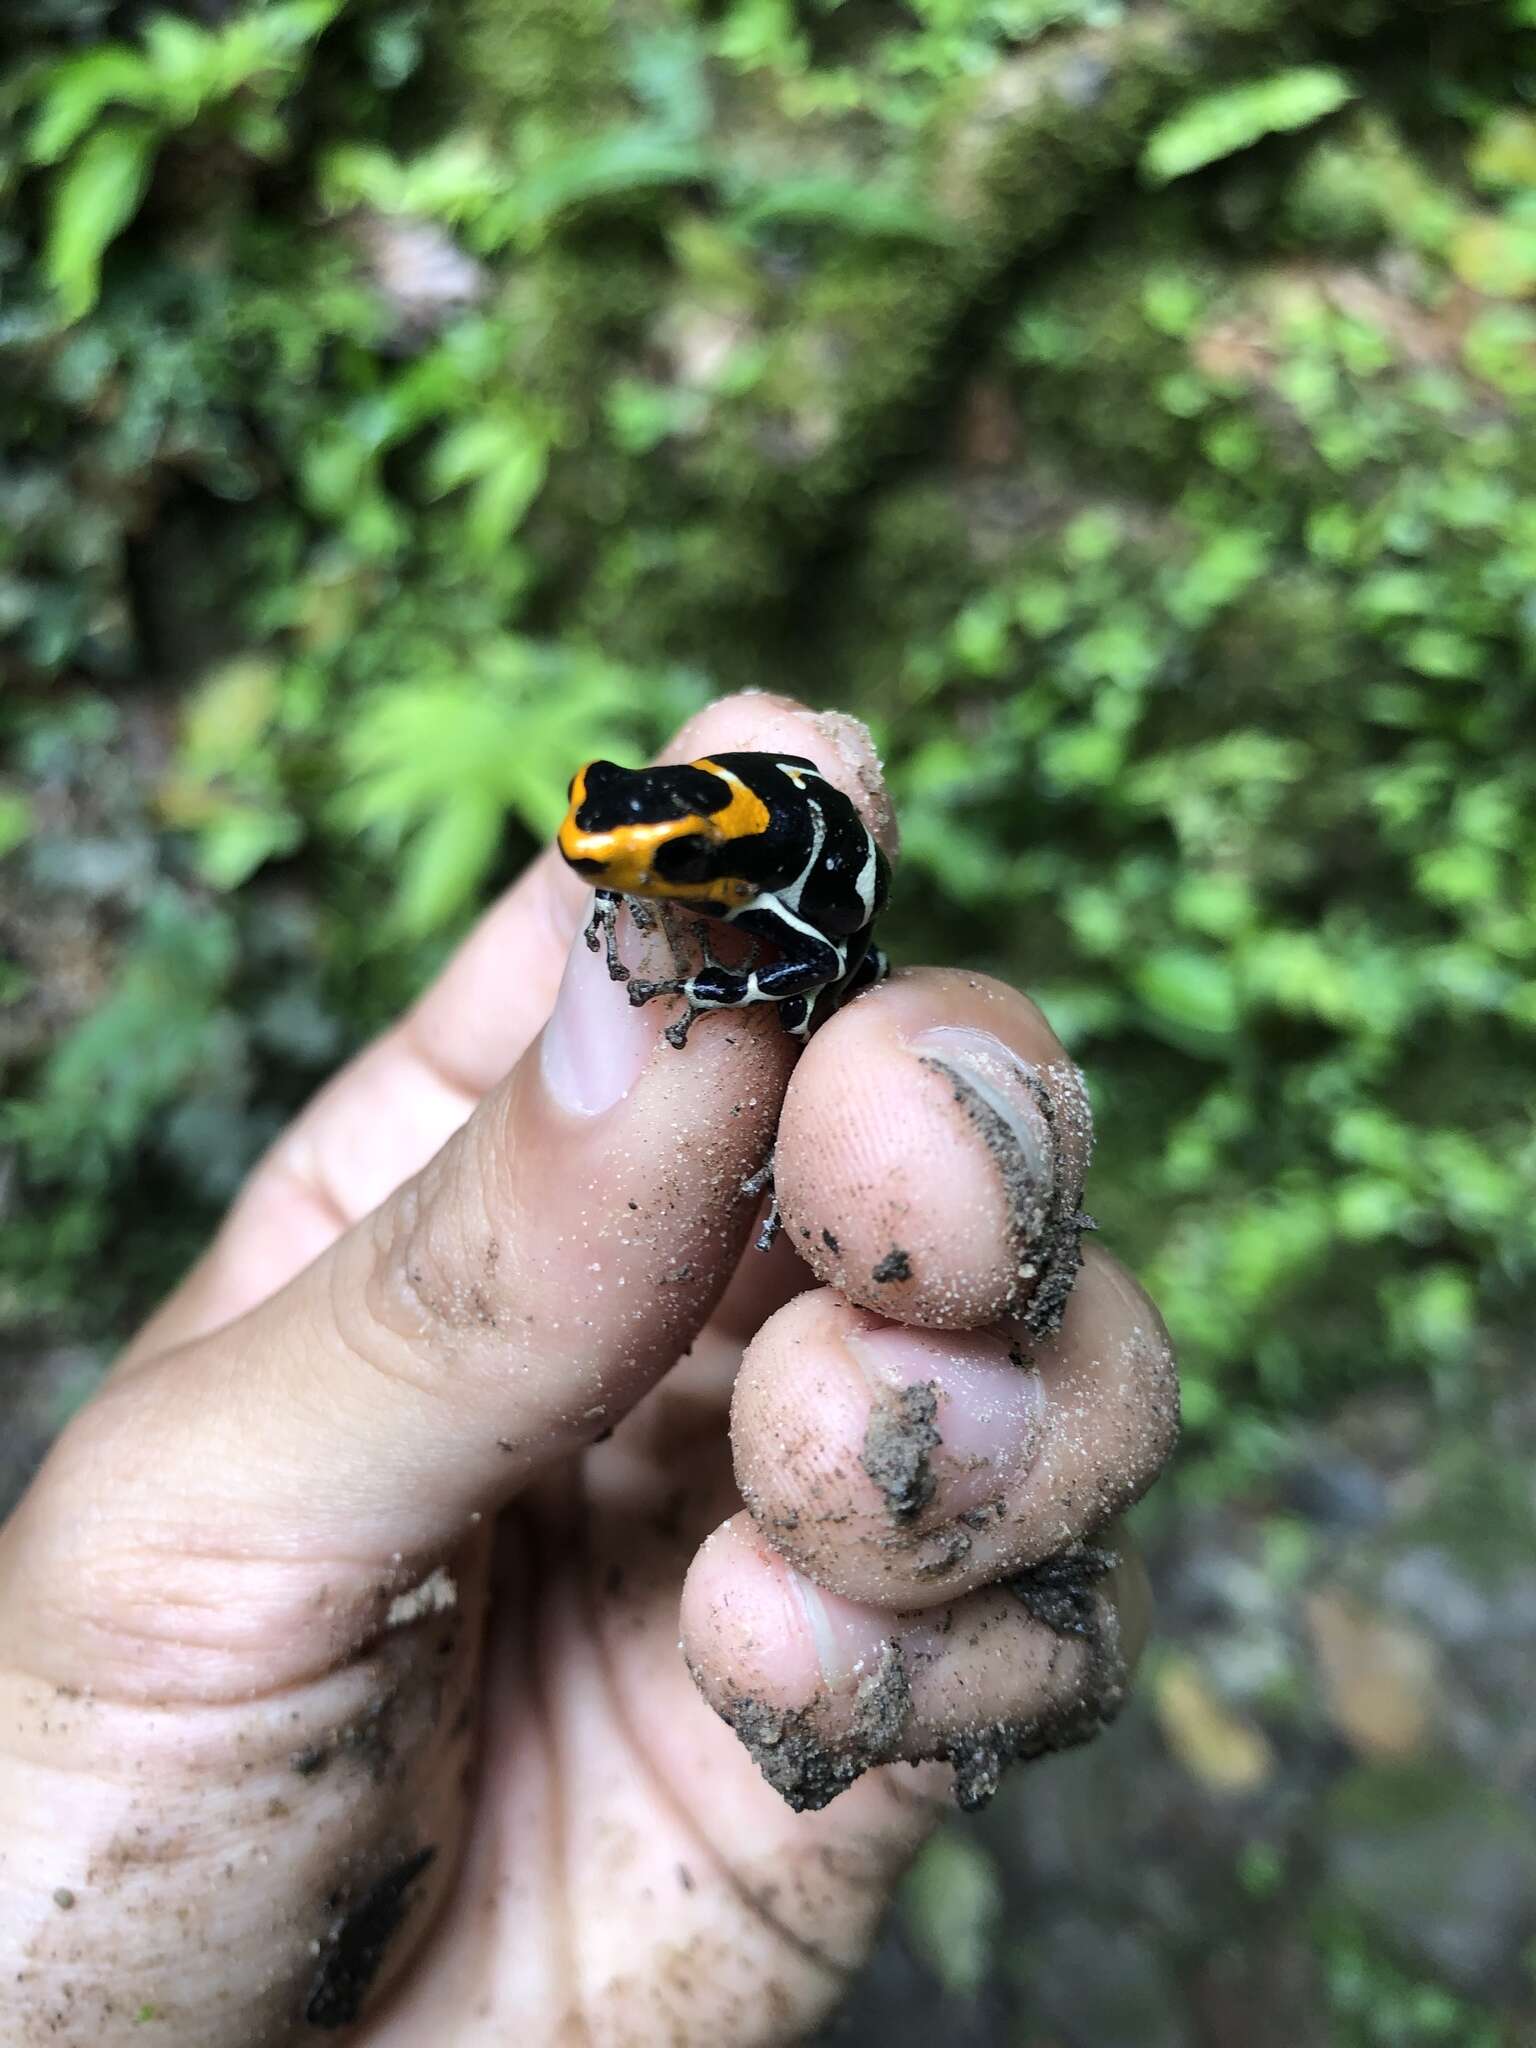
339,1671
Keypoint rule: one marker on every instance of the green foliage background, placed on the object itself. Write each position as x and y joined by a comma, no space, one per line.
1129,409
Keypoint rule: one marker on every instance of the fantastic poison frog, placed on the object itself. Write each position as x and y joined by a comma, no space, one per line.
762,842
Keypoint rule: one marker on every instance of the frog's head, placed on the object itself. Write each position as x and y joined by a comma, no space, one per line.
671,831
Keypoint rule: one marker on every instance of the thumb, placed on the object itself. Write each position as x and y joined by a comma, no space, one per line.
257,1495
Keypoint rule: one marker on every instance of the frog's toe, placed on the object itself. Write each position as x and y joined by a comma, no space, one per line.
643,991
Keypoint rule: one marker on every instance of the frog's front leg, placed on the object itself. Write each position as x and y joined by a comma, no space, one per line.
604,919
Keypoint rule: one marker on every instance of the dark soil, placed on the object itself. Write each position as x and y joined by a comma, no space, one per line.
786,1747
1059,1592
808,1769
897,1447
1045,1222
353,1951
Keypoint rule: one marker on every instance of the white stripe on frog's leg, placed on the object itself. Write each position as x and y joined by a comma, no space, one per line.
811,964
604,902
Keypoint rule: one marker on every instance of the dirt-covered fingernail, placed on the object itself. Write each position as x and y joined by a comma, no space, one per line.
596,1042
847,1638
954,1418
981,1683
1037,1129
1010,1092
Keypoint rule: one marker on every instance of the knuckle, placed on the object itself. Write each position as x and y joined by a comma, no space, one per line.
432,1288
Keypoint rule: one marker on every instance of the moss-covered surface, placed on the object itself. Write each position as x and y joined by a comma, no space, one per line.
1130,408
473,385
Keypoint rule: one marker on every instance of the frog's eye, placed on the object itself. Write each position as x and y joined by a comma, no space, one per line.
686,859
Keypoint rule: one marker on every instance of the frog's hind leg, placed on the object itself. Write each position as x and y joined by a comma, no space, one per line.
796,1012
873,968
761,1183
676,1033
704,933
800,1014
713,985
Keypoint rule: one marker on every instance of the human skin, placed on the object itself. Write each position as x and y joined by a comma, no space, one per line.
341,1692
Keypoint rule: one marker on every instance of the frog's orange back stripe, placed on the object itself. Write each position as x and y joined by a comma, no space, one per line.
746,815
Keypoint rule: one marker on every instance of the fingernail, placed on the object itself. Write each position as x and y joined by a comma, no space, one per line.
848,1639
596,1041
1001,1094
988,1406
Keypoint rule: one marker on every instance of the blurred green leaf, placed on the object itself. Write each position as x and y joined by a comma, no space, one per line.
79,90
953,1904
91,202
1188,991
179,70
624,165
229,714
157,1026
240,837
437,766
1503,155
15,821
1222,123
225,784
852,209
447,857
1496,256
453,182
505,459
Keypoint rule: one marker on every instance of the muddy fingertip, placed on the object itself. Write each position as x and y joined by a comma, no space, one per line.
931,1155
819,1690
